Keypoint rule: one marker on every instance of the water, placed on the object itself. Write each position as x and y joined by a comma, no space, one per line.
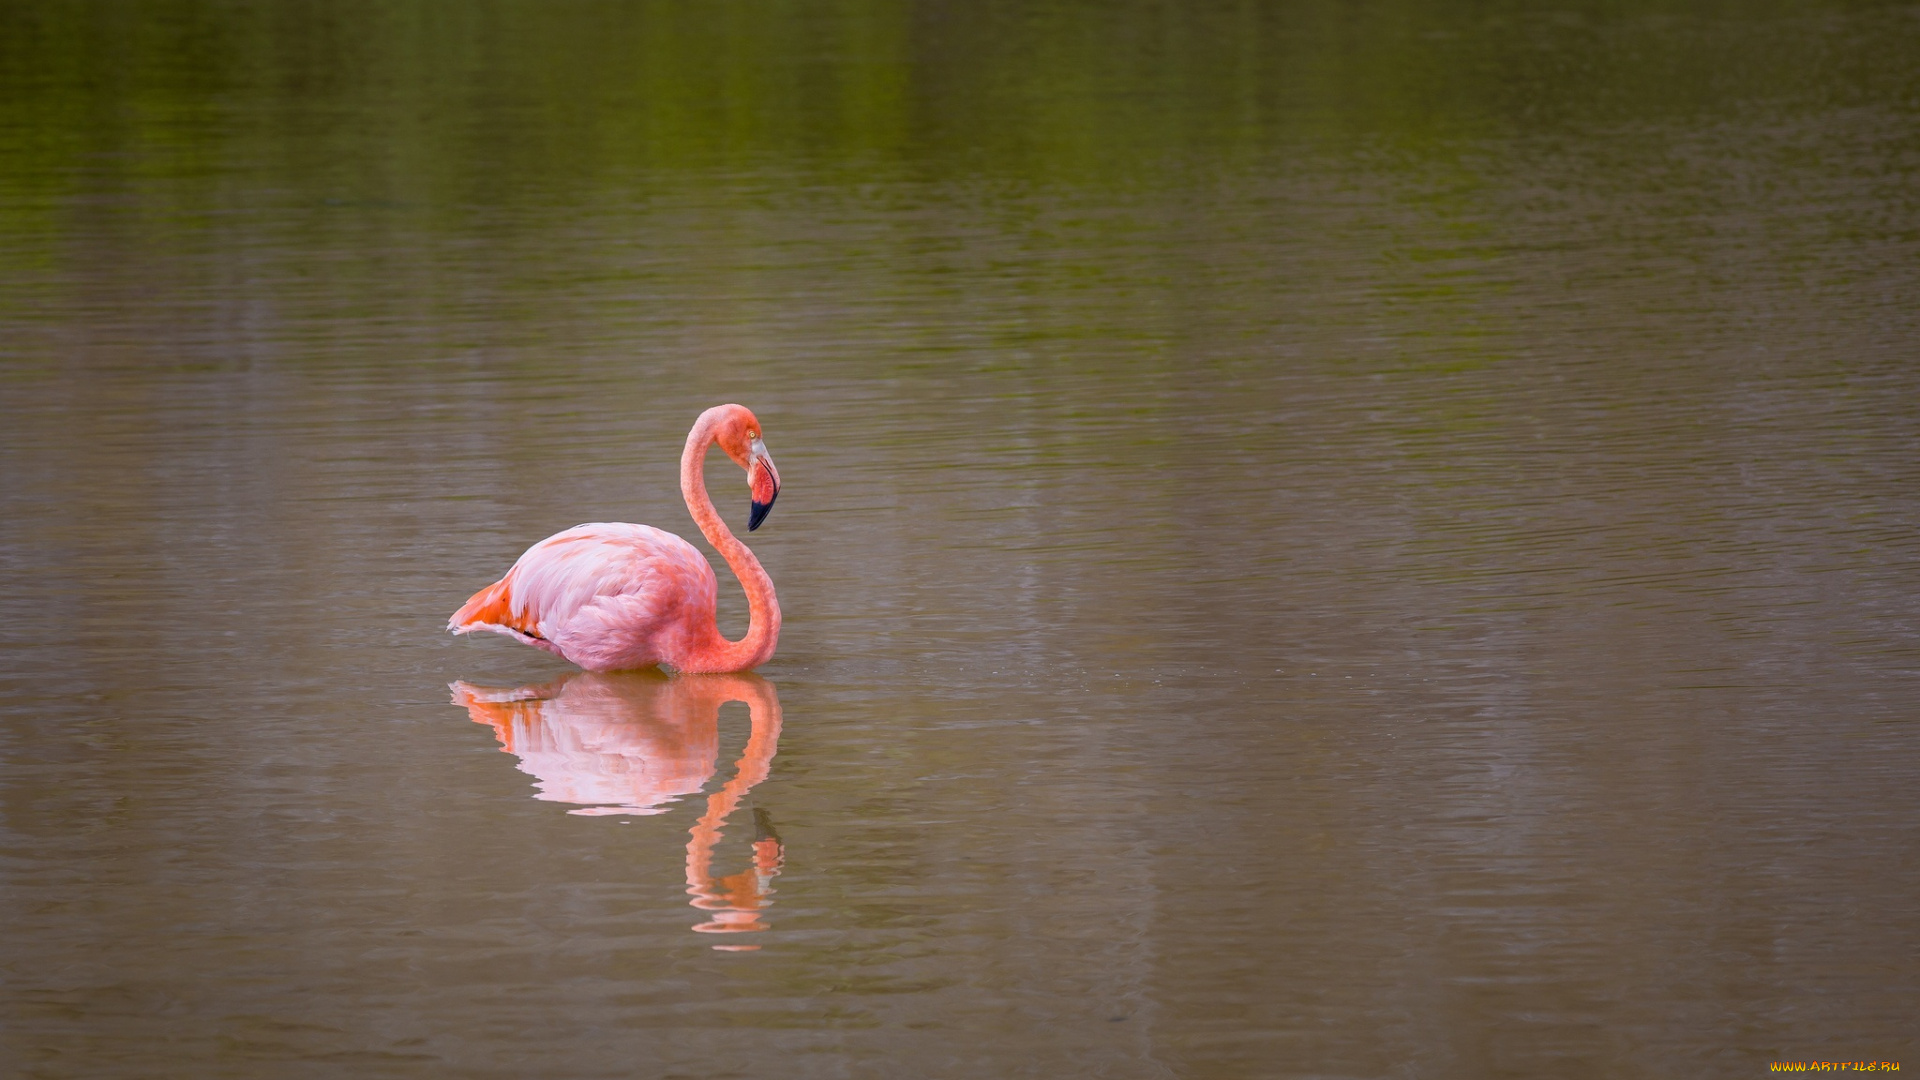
1316,540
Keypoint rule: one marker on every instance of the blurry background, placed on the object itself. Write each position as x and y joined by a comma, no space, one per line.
1319,539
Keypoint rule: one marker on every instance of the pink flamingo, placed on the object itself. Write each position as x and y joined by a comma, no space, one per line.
610,596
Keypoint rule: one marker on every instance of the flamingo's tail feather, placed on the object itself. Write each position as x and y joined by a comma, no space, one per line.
490,607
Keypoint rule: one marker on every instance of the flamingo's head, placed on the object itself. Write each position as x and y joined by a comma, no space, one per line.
739,435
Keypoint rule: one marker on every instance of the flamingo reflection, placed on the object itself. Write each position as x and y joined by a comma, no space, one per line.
634,742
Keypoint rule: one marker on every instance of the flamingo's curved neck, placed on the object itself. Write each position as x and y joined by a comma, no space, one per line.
763,608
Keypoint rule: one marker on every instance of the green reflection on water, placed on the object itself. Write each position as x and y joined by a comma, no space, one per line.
454,104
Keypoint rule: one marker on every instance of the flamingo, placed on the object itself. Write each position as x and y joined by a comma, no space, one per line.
610,596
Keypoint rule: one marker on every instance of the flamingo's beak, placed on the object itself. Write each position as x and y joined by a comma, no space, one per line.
765,481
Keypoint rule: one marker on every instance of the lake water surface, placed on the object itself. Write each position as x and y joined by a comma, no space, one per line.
1317,540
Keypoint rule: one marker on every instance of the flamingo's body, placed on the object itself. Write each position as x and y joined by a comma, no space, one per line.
613,597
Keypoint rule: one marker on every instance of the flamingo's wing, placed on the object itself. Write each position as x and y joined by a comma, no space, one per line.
605,584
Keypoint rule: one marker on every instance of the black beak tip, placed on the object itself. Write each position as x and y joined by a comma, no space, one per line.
759,512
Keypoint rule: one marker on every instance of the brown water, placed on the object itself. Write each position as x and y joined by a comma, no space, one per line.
1317,540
